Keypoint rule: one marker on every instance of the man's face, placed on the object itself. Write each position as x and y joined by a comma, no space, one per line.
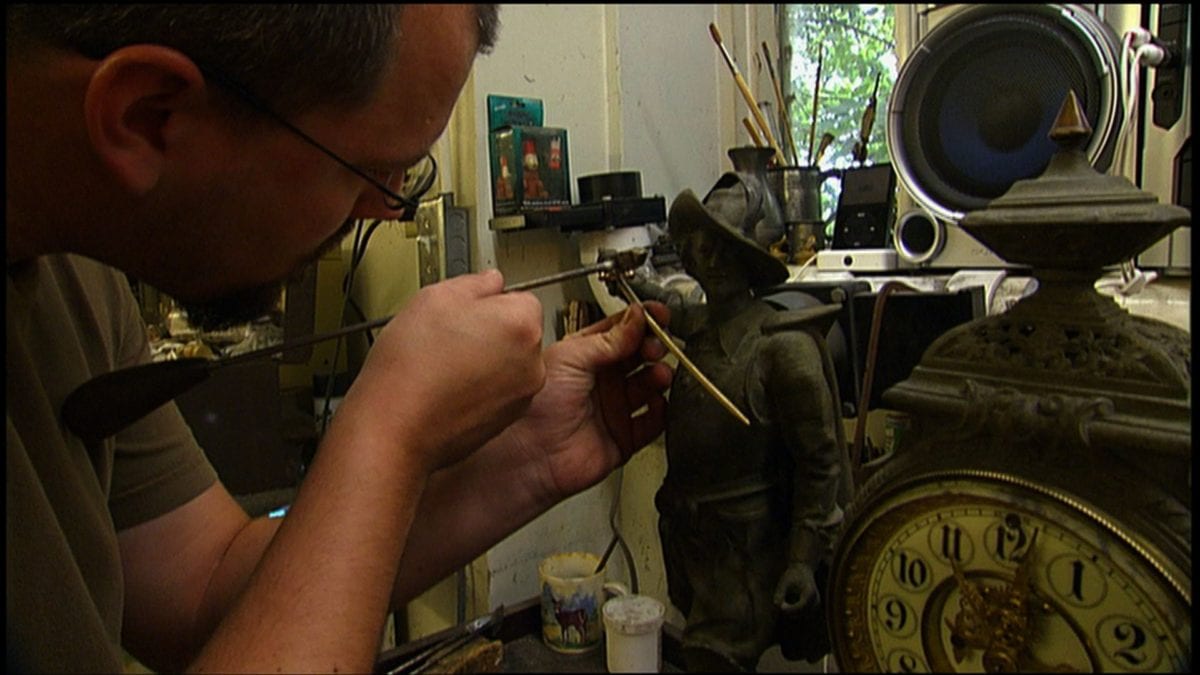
242,306
273,208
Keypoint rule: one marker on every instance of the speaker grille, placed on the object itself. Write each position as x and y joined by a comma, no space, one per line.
974,102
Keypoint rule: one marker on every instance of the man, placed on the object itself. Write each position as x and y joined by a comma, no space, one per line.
211,151
747,514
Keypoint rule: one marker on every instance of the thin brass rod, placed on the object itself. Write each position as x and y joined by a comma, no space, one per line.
711,388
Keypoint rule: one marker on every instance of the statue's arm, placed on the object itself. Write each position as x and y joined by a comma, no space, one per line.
686,311
804,407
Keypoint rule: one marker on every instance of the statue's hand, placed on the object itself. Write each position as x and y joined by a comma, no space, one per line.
797,588
804,633
639,282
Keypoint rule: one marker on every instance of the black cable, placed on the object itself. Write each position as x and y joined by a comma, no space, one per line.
613,511
362,316
347,286
362,251
358,251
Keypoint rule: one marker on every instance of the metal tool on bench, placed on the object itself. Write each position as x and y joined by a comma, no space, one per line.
438,650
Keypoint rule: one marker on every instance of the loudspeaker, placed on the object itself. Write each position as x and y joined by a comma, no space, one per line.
866,208
972,106
918,237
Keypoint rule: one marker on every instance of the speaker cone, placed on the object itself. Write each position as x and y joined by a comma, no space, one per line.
973,104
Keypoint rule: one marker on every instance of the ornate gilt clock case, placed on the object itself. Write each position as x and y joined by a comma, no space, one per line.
1036,516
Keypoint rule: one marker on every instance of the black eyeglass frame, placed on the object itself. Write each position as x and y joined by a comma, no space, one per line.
392,200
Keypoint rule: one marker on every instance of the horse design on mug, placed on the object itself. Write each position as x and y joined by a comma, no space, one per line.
572,618
572,593
571,622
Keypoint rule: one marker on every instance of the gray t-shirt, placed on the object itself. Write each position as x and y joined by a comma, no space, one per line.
69,319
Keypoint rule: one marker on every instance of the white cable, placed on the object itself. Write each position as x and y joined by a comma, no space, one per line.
800,272
1129,283
1137,36
1138,51
1127,83
1150,54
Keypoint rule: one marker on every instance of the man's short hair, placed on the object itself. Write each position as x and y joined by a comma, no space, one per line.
292,56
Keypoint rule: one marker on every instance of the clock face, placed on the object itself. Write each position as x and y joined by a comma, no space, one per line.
969,574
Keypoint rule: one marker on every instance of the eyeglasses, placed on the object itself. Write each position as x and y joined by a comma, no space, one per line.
406,198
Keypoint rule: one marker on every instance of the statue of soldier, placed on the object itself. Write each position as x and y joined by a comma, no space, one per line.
747,514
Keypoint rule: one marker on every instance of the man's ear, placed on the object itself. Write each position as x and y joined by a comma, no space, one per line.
129,102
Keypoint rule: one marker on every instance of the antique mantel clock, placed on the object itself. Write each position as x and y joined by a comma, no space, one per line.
1036,517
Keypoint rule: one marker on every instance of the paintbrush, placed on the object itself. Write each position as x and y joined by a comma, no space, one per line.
784,122
753,132
868,121
812,132
748,95
826,140
665,338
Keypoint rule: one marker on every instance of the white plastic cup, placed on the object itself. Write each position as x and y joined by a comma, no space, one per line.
633,634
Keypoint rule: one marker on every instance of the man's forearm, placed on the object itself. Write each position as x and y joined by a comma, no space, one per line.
318,597
476,501
465,510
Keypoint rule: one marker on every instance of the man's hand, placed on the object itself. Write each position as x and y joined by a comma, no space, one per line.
582,425
576,430
457,365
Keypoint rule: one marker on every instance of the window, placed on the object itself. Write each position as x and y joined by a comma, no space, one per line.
855,45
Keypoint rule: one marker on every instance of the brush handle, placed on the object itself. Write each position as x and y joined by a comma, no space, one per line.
812,131
784,122
684,361
748,95
760,118
753,132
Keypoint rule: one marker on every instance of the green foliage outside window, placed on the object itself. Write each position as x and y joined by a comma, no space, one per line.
856,43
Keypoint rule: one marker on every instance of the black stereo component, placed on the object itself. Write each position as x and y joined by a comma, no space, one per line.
613,185
609,200
601,215
1167,95
866,208
910,322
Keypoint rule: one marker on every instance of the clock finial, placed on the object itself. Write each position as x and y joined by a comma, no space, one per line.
1071,128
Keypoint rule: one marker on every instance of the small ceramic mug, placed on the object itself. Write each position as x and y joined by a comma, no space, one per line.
572,595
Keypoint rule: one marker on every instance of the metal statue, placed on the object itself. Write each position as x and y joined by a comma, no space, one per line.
747,513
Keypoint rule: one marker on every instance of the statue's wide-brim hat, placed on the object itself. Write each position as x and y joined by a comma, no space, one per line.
688,215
